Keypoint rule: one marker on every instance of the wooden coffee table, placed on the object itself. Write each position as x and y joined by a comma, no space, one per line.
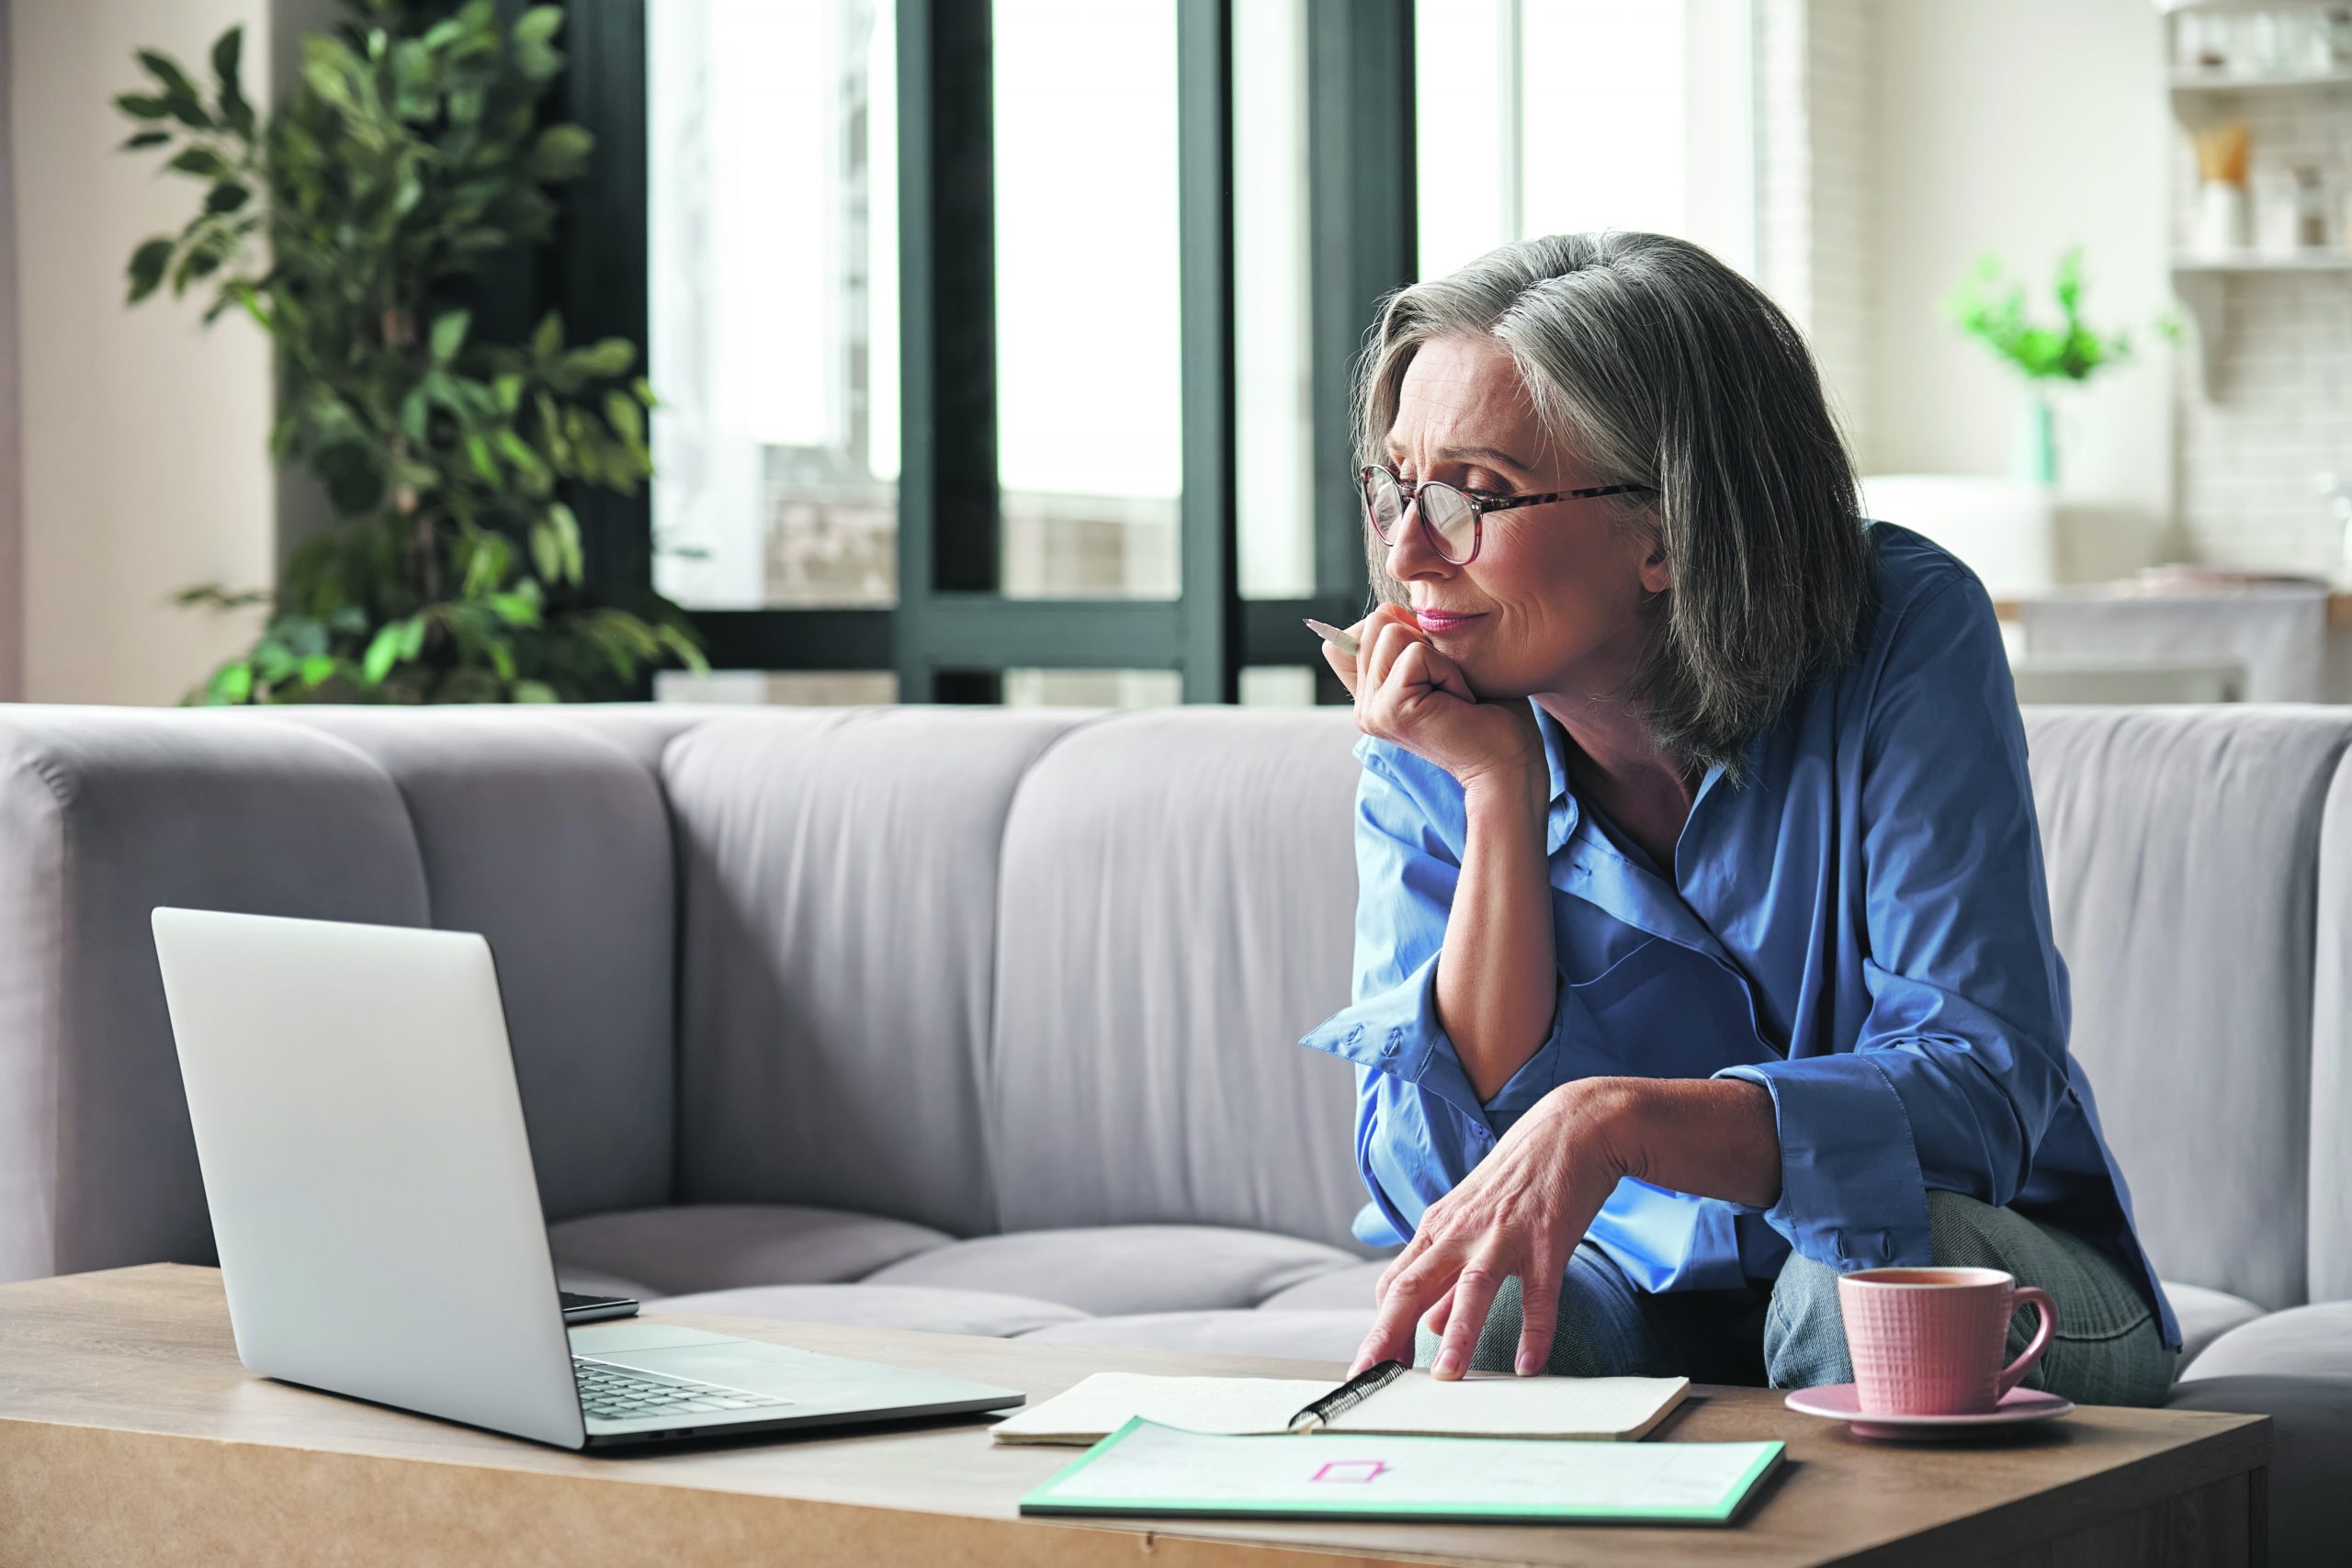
129,1433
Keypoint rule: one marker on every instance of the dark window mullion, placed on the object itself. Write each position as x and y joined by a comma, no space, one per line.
947,491
599,263
1212,590
1361,243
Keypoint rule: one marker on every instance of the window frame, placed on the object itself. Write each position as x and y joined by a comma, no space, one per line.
952,633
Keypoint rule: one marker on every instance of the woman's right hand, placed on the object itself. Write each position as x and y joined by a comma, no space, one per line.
1408,692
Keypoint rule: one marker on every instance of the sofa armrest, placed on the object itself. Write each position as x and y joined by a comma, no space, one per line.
103,815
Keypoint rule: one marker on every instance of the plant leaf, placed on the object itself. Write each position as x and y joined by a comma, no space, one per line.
144,139
538,25
140,106
227,52
201,161
561,154
546,552
167,74
519,609
226,197
566,531
449,335
606,356
147,265
383,652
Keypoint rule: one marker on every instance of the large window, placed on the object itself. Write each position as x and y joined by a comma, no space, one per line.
1561,115
772,236
1003,348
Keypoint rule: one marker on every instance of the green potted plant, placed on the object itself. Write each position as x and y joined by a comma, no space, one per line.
1989,306
355,224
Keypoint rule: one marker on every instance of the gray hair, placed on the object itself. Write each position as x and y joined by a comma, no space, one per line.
1658,366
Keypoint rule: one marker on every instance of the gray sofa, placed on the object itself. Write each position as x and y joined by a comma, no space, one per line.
983,1020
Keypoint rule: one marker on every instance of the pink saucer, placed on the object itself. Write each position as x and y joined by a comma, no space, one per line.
1840,1403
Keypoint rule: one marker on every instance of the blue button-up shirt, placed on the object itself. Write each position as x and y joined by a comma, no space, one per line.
1860,925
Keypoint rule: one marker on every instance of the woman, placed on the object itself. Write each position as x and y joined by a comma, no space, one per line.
1702,949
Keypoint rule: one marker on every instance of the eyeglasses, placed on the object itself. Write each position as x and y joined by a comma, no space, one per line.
1455,518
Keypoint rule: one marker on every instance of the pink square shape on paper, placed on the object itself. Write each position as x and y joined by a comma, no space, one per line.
1350,1470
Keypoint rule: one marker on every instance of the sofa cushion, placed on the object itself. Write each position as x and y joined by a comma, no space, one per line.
2331,1185
1333,1337
2183,847
1177,909
712,1246
2300,1342
2205,1315
2311,1508
883,1306
553,842
837,873
1341,1290
1123,1268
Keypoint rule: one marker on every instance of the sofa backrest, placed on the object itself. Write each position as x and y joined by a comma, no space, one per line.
2184,848
1177,909
839,875
987,969
550,839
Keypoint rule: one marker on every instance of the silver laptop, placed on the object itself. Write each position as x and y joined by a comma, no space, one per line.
379,1223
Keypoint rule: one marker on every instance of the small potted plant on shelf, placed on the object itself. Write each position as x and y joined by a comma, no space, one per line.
1990,306
355,224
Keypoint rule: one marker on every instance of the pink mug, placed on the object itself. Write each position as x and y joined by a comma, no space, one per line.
1929,1341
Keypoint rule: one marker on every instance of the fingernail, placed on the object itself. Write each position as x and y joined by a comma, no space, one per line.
1449,1363
1528,1365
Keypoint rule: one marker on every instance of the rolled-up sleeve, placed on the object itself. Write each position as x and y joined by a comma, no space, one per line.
1420,1125
1961,1062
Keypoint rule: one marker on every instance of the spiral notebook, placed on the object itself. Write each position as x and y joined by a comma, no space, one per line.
1412,1405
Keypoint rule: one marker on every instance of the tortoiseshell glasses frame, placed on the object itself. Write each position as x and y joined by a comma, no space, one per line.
1447,510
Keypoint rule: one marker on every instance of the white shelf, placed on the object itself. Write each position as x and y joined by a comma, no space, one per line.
2203,284
2172,7
2327,258
2189,79
2201,96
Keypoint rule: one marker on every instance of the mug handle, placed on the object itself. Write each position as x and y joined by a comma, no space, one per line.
2015,1370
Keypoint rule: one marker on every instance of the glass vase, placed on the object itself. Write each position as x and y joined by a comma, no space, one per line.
2037,447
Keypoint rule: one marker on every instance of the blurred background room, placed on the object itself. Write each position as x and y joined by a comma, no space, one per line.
1000,352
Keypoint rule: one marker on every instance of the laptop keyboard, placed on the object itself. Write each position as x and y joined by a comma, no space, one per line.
625,1393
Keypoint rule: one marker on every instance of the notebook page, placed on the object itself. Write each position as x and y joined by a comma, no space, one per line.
1500,1405
1108,1401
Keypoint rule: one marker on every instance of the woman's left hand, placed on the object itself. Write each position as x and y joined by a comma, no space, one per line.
1522,1211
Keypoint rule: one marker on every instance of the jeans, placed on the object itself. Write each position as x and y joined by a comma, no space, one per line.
2109,1349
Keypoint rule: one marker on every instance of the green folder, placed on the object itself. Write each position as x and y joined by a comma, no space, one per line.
1147,1471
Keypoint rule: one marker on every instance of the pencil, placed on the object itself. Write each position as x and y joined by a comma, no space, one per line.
1333,635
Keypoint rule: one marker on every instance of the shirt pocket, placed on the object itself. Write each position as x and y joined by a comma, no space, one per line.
1661,1011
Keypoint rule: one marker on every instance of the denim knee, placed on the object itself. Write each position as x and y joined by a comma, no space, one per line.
1804,1332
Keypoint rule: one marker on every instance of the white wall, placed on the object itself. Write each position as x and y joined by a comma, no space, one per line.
2022,126
1816,97
144,436
12,602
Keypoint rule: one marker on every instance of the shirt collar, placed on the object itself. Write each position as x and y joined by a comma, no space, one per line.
1556,762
